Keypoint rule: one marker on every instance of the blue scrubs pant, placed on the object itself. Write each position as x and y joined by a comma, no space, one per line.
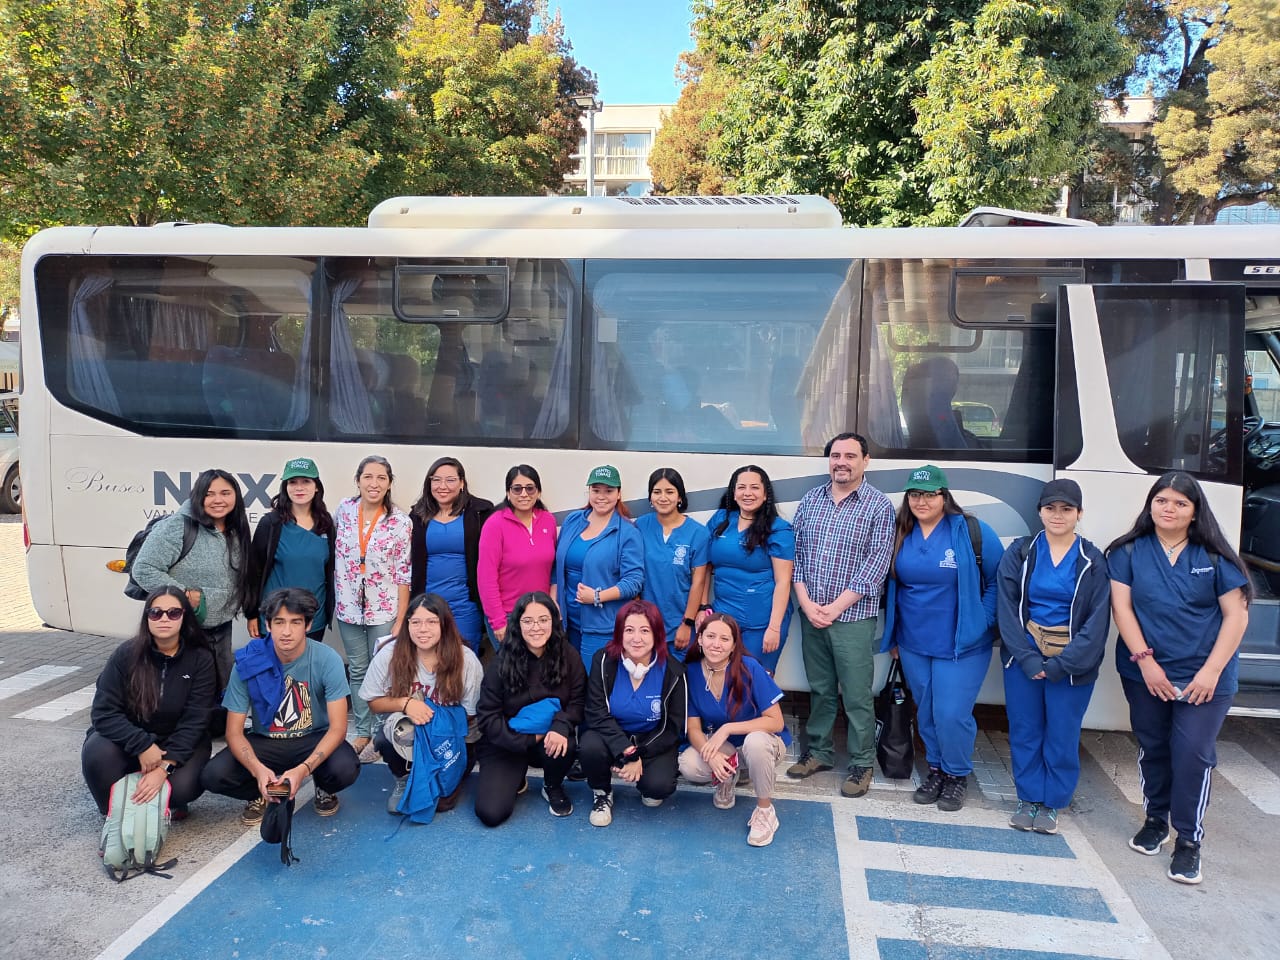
945,691
1044,735
1176,754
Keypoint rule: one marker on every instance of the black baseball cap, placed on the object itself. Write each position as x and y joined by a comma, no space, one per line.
1061,491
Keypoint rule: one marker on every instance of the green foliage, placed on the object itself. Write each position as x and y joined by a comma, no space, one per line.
680,159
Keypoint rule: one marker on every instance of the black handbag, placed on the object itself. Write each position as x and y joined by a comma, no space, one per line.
895,726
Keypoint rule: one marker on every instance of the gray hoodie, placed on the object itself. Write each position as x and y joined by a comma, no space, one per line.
206,568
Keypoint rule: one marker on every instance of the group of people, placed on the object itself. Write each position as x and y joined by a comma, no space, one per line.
640,651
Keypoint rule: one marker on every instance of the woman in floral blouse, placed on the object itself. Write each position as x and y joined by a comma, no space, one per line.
371,580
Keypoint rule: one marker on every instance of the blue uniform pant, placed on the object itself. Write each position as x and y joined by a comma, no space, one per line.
1176,754
945,691
1044,735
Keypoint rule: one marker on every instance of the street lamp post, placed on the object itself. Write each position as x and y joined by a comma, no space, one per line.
592,106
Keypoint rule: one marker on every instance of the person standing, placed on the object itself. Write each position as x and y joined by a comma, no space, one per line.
677,549
1180,598
517,550
844,540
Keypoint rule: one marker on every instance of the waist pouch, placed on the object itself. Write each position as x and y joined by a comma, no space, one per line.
1051,641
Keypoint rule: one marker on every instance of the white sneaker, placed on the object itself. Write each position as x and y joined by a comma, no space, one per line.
764,824
601,809
726,796
651,801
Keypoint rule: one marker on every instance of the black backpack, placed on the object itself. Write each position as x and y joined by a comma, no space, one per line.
189,531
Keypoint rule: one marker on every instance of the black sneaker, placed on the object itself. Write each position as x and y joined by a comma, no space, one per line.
1184,867
558,801
1153,835
928,791
951,796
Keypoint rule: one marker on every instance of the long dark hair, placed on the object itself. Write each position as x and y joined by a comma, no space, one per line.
404,656
522,470
905,521
236,528
388,507
1204,530
737,679
672,476
652,614
321,519
142,694
762,523
427,507
515,662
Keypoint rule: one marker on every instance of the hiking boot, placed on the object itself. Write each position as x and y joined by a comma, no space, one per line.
601,809
651,801
928,791
1046,820
857,783
764,824
726,793
557,800
397,791
1024,817
1184,867
325,804
1153,835
253,812
951,796
806,766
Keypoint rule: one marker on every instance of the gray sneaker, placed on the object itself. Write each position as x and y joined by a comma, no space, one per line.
857,783
397,791
1024,817
1046,820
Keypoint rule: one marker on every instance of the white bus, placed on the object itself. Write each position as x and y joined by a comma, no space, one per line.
699,333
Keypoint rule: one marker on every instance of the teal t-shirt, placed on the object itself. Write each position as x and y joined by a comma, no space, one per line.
310,683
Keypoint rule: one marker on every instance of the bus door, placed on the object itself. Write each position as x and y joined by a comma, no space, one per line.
1150,378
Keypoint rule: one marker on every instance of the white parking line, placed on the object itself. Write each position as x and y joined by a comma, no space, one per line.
62,707
1249,776
1123,774
29,679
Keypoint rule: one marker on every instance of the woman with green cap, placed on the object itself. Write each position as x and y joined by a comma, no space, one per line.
293,545
940,622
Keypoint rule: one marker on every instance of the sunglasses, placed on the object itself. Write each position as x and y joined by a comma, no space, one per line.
518,489
159,613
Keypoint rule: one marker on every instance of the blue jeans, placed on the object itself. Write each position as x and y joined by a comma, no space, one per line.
945,691
358,642
1044,735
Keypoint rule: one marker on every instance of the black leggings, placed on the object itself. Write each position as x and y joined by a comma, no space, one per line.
657,778
103,763
502,772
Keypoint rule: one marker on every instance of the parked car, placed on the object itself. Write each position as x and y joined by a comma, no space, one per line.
978,418
11,491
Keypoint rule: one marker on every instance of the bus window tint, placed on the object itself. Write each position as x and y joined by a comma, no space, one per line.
175,343
457,380
960,357
745,356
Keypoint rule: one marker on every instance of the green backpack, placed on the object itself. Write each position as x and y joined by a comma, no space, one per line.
134,832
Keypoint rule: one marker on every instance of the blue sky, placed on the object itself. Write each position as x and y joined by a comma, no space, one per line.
630,45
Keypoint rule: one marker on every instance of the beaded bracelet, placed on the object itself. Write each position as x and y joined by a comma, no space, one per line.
1141,654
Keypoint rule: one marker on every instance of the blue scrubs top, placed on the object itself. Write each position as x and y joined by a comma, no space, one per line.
744,581
669,565
1177,607
300,559
927,593
1051,589
575,556
763,694
447,576
639,709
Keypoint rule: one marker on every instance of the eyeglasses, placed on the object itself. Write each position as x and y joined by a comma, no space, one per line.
520,489
445,481
923,494
159,613
527,622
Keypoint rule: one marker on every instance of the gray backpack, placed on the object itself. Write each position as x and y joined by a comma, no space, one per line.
134,832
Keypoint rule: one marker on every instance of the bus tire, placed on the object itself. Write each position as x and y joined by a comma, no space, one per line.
11,492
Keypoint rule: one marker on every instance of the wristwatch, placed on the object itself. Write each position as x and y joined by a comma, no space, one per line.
688,622
169,767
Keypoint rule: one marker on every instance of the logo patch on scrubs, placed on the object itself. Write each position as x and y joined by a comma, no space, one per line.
1195,571
655,708
681,552
948,559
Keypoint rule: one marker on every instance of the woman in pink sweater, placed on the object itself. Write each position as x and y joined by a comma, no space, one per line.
517,550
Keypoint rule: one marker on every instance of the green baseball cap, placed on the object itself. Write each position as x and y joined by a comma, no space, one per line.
300,467
928,478
607,475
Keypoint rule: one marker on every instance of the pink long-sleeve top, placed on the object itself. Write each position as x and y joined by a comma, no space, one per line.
514,560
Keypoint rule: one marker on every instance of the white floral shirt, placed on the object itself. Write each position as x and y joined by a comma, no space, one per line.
369,599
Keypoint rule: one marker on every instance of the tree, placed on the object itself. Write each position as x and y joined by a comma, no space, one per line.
1218,134
680,159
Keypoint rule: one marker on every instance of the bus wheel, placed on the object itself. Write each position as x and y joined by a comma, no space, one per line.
11,492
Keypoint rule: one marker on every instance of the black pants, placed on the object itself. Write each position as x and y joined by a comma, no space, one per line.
103,763
657,778
502,772
223,660
225,774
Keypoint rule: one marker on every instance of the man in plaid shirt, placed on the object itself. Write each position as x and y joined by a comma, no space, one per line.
844,541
